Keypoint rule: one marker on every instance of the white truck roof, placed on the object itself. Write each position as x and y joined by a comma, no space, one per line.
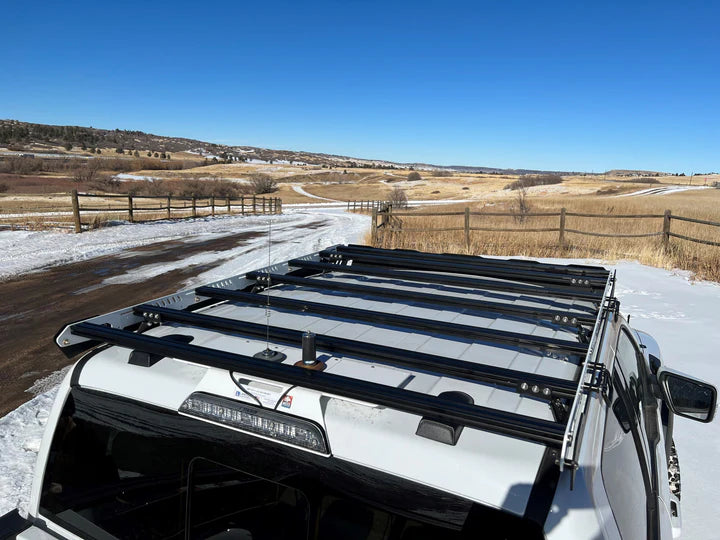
398,335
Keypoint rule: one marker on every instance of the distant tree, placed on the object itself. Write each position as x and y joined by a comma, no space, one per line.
98,151
156,154
4,187
162,155
119,150
262,183
167,156
68,146
83,146
136,153
398,197
149,154
414,176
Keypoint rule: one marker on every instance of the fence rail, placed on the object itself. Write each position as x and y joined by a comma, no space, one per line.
74,210
387,220
364,205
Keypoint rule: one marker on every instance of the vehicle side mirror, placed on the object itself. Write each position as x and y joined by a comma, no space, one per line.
688,397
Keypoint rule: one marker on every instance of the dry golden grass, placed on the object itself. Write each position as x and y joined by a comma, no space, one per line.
702,260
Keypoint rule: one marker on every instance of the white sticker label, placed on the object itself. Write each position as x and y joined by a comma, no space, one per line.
267,394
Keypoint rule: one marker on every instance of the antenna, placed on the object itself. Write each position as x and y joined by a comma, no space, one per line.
268,353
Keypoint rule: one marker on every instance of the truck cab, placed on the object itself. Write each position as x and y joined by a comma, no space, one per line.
365,393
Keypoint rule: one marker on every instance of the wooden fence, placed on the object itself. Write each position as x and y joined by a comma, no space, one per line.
387,220
146,207
365,205
82,211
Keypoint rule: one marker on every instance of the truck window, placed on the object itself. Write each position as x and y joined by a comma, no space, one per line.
118,468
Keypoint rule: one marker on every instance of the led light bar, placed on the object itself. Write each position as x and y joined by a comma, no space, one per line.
254,420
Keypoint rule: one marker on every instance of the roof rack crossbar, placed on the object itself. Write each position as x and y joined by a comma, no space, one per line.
372,352
447,279
584,283
514,339
388,294
473,416
571,269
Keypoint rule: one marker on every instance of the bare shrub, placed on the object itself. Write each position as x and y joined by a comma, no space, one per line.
22,165
4,187
103,182
86,172
262,183
398,197
521,206
414,176
441,174
530,180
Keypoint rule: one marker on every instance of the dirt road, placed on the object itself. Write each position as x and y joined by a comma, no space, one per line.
36,305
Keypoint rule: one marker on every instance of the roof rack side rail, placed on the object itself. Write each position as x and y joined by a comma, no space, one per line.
577,269
470,269
371,352
591,366
515,339
473,416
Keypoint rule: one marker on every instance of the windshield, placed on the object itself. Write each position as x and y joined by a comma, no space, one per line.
119,469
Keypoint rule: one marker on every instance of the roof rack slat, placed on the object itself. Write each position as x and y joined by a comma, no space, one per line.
371,352
587,283
447,279
473,416
572,269
388,294
515,339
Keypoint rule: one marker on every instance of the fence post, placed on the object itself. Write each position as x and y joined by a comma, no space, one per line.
212,205
467,229
242,205
76,211
373,228
263,205
348,208
227,201
254,204
194,207
279,205
561,240
666,229
130,209
169,204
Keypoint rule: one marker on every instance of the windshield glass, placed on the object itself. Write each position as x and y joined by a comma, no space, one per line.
119,469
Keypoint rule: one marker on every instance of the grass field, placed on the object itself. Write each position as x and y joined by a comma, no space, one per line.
597,194
703,260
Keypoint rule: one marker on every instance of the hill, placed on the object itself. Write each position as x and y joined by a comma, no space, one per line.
21,136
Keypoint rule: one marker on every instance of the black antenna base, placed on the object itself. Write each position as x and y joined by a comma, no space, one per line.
270,355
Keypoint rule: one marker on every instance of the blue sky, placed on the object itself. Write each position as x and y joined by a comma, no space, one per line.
548,85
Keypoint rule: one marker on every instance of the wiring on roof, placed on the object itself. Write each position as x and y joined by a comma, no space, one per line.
241,386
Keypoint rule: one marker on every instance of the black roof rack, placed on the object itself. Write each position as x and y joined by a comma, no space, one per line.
466,331
125,329
577,293
572,269
477,268
370,352
475,416
388,294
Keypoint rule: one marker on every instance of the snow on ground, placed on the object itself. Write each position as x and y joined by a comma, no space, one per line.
663,190
288,240
680,313
24,251
127,176
299,189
